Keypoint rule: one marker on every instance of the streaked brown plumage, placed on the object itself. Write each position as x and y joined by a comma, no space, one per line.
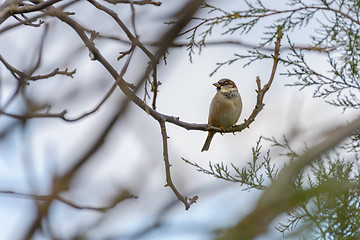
225,108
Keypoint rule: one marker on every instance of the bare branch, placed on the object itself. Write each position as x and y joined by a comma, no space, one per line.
40,198
62,183
11,7
169,183
35,115
128,33
277,198
143,2
261,91
154,85
29,19
20,75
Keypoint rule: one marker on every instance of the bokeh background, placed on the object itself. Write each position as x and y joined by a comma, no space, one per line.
31,153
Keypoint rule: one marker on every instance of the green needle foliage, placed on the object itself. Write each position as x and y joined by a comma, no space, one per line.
330,208
333,28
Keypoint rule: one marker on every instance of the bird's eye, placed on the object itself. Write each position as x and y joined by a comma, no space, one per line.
224,83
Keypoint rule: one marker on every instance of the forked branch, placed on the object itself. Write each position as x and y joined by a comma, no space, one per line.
169,183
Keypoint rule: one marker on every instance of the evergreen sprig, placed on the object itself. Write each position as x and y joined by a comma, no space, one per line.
334,30
332,209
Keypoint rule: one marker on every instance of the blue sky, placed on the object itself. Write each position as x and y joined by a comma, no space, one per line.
132,156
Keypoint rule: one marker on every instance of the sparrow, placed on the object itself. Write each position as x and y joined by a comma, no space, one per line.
225,108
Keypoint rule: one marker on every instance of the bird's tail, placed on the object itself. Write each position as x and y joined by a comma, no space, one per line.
208,141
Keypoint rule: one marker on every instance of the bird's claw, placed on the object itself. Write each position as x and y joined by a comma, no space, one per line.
222,133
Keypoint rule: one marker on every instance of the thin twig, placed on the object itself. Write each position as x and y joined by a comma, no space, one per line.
172,119
40,198
18,74
3,10
169,182
277,198
108,94
122,25
217,42
142,2
40,51
194,126
261,91
154,85
62,183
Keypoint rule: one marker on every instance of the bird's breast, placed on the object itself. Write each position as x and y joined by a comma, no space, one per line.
225,110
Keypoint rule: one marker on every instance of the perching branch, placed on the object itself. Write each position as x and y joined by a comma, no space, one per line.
62,183
195,126
277,198
259,106
261,91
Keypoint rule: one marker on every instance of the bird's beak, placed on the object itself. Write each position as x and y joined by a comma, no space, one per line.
217,85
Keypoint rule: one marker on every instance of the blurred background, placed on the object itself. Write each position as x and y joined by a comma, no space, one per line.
33,151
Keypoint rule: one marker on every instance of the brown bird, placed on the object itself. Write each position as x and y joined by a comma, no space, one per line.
225,108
